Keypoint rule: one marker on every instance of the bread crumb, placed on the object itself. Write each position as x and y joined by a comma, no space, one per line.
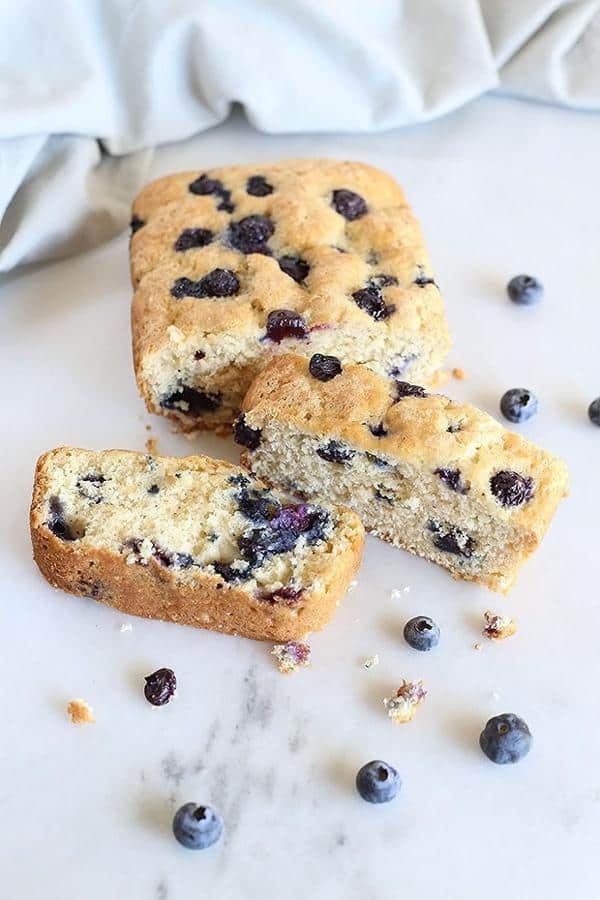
397,593
459,374
80,713
176,336
477,646
148,427
403,705
371,661
497,627
152,445
352,585
291,656
126,626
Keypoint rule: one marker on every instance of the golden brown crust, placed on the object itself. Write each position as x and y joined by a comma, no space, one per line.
153,591
387,240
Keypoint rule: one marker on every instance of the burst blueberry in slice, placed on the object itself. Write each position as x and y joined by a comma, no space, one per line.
370,300
511,488
422,633
295,267
324,368
57,521
336,452
525,290
505,739
245,435
135,224
285,323
378,782
349,204
451,539
190,401
452,479
160,686
197,827
518,405
258,186
190,238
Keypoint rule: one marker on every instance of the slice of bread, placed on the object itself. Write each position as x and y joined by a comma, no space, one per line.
193,540
441,479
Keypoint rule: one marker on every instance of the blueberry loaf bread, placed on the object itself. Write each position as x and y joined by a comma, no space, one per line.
236,265
192,540
441,479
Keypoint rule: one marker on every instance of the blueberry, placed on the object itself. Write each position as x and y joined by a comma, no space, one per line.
525,290
378,430
135,224
377,782
258,186
153,489
381,281
204,185
190,401
285,323
218,283
348,204
171,559
452,478
518,405
191,238
505,739
594,411
422,633
285,596
197,827
370,300
422,280
335,452
160,686
199,354
510,488
57,522
295,267
244,435
324,368
406,389
452,540
250,235
256,506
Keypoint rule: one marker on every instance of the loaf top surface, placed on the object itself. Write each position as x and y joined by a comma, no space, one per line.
333,241
471,452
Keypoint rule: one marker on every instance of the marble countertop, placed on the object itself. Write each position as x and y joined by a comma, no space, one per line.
500,187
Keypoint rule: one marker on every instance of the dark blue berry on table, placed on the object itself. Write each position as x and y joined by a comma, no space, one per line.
505,739
518,405
422,633
525,290
197,827
378,782
594,411
324,368
160,686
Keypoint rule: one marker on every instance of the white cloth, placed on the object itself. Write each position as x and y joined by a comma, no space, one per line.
89,87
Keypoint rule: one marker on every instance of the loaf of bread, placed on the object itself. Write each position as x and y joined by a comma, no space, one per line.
441,479
239,264
191,540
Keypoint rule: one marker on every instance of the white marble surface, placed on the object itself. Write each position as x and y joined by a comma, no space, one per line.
501,187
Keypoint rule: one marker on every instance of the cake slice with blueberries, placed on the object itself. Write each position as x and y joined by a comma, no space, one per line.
441,479
192,540
236,265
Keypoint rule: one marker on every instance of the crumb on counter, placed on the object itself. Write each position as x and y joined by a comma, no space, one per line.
403,705
477,646
126,626
291,656
152,445
371,661
397,593
459,374
80,712
352,585
497,627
